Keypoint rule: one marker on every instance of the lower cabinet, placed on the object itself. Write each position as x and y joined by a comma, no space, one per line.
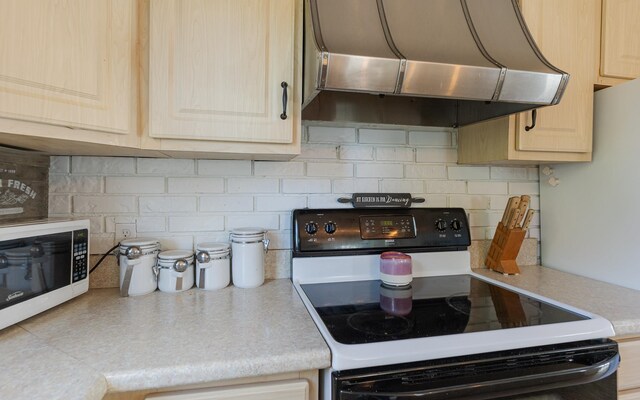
287,386
629,370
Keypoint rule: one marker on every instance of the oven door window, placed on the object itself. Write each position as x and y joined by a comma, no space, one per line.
32,266
586,372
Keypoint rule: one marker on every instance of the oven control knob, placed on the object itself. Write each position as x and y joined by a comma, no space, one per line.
311,228
330,227
456,225
441,225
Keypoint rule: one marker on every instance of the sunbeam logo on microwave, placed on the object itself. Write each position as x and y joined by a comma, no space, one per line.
15,295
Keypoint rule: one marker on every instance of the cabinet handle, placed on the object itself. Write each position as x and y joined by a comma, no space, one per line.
284,100
534,114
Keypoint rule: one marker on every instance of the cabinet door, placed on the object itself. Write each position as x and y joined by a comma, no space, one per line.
565,32
620,45
216,68
69,63
286,390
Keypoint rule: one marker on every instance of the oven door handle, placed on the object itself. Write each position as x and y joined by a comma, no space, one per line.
492,389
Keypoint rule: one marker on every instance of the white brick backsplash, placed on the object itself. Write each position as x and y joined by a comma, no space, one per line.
187,201
433,200
402,186
326,201
356,152
446,187
469,202
509,173
425,171
104,204
371,170
151,224
394,154
266,221
327,134
195,185
167,204
359,185
338,170
75,184
252,185
278,168
166,166
224,167
306,186
130,184
175,242
103,165
200,223
524,188
435,155
280,203
59,204
468,173
487,187
226,203
318,151
382,136
435,138
59,164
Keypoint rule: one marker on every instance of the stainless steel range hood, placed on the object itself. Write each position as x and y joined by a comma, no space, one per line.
422,62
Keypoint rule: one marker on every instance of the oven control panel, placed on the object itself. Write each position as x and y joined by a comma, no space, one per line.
362,231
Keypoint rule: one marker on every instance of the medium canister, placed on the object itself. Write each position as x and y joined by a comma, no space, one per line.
213,270
248,247
137,257
175,271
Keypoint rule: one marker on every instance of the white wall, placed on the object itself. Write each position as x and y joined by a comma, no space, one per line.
185,201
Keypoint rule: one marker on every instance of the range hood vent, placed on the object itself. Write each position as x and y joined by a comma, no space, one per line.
422,62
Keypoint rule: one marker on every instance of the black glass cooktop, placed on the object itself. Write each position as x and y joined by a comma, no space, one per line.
368,311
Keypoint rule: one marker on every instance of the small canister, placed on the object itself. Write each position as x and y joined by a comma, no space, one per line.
213,270
395,268
175,271
248,247
136,258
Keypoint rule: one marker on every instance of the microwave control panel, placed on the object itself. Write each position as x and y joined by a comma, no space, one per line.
80,255
358,231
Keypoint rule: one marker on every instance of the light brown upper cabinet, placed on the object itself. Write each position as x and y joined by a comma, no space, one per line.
67,74
224,78
565,32
620,40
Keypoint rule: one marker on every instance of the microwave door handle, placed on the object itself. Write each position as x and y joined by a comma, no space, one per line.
500,387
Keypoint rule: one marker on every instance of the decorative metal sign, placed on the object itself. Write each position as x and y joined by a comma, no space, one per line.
24,183
373,200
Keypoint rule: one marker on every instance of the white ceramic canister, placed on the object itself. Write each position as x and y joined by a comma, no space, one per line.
137,258
248,247
175,271
213,270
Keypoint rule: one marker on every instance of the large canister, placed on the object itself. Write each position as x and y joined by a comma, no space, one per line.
213,269
175,270
137,258
248,247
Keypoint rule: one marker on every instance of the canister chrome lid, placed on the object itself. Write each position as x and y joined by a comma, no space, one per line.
247,235
146,245
213,247
173,258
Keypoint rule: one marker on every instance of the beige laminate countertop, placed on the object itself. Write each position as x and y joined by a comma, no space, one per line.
621,306
102,342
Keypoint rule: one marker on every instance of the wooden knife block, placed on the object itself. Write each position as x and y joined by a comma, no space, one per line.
504,250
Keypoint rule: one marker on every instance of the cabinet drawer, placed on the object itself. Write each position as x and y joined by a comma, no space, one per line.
629,371
283,390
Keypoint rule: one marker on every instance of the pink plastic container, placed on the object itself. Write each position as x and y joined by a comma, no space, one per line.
395,268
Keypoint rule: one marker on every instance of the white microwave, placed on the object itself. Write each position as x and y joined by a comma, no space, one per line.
42,264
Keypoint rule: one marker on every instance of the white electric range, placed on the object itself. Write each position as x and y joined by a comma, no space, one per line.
451,334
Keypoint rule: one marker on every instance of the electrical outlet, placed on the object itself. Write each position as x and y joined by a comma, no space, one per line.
125,231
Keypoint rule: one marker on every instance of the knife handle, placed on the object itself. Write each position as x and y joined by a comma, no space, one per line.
524,204
512,204
515,217
527,219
